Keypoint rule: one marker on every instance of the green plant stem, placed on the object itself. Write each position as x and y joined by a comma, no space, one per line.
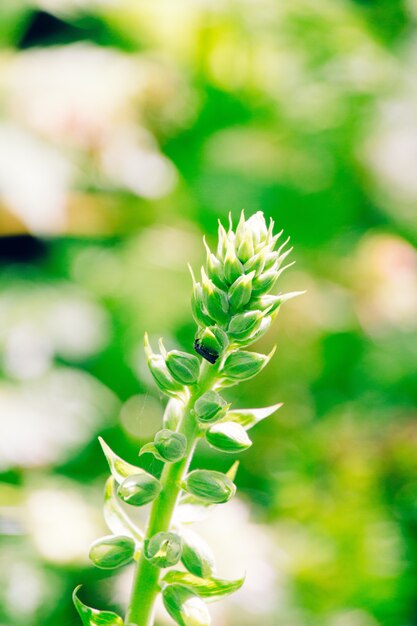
146,581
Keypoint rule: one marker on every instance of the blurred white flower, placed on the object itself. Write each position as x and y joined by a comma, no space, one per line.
43,420
34,180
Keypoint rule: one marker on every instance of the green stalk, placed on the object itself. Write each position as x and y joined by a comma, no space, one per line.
146,581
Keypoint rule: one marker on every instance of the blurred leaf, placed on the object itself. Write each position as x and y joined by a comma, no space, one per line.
211,588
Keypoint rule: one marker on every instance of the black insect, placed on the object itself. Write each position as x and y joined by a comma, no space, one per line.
210,355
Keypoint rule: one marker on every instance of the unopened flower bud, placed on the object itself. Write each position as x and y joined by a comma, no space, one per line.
242,365
257,226
228,437
184,367
264,283
256,263
210,407
160,372
184,606
168,446
139,489
112,551
242,325
209,486
214,267
241,290
233,268
215,300
211,343
163,549
245,249
196,556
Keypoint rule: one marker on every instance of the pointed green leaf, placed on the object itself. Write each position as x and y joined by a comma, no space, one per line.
119,468
231,473
211,588
94,617
115,517
250,417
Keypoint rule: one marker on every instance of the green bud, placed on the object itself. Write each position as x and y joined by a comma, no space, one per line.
112,551
168,446
242,325
215,300
257,226
196,557
214,267
173,413
184,606
241,290
210,407
228,437
209,486
256,263
245,249
223,241
265,282
197,305
184,367
163,549
233,268
242,365
160,372
139,489
260,331
211,343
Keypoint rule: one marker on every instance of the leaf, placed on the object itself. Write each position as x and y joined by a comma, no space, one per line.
250,417
94,617
211,588
231,473
119,468
115,517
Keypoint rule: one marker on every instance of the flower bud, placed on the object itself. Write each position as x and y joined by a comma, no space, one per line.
209,486
242,365
265,282
241,290
211,343
184,606
256,263
228,437
173,413
196,556
215,300
184,367
168,446
214,267
233,268
163,549
242,325
112,551
245,249
159,371
257,226
139,489
210,407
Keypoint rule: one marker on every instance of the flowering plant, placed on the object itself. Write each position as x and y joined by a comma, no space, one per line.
233,307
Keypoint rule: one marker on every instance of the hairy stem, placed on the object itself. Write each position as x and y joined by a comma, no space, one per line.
145,583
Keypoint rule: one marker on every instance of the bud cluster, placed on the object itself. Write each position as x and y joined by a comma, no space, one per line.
231,303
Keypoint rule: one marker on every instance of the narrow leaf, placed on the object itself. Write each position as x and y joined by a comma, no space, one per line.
250,417
119,468
212,588
94,617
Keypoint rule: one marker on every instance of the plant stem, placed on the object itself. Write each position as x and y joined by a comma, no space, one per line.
145,583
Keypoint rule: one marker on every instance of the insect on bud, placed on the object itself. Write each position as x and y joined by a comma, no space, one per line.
210,407
168,446
183,367
241,365
139,489
163,549
228,437
184,606
112,551
209,486
211,343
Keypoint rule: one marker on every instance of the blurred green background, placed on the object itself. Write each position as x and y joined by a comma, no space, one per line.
128,128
